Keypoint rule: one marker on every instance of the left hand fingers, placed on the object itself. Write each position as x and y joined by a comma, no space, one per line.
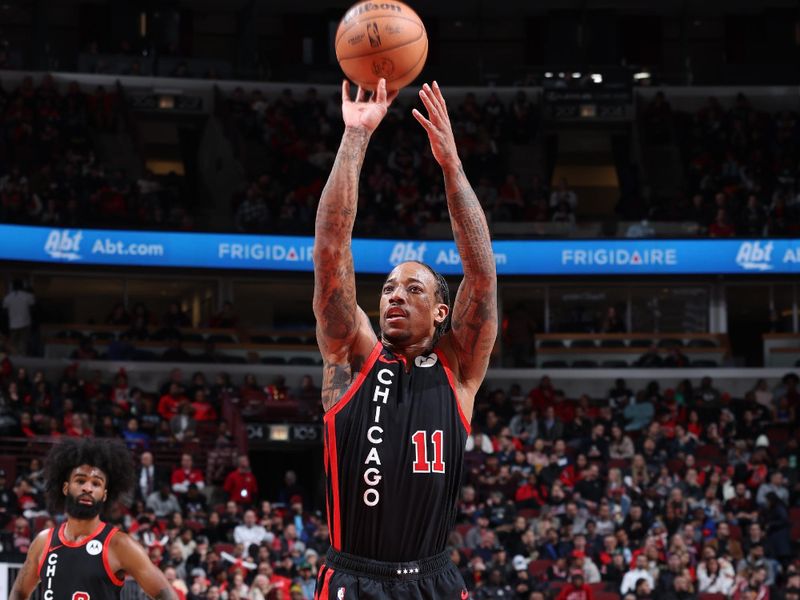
438,93
430,103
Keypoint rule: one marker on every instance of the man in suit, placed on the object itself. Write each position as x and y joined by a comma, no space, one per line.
149,477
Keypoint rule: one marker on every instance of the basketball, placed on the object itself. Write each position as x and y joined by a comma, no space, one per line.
381,39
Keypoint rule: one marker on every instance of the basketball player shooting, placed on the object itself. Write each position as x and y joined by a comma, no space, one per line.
398,406
85,558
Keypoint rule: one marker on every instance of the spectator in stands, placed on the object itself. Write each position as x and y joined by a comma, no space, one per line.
134,438
250,533
612,323
241,484
576,588
168,404
650,359
183,426
163,502
118,315
18,304
225,318
149,477
85,351
630,581
562,194
550,427
525,426
638,413
186,475
676,359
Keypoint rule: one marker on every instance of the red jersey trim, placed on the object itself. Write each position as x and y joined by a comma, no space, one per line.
46,550
69,544
111,575
354,386
449,373
336,537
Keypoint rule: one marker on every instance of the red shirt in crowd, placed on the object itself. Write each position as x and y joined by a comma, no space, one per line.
570,592
183,476
241,487
204,411
168,406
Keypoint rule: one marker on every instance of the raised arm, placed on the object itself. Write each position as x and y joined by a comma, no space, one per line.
474,316
344,333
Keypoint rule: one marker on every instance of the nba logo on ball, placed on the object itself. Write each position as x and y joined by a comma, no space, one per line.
340,593
94,547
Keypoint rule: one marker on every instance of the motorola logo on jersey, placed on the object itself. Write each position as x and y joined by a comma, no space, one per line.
94,547
372,475
426,361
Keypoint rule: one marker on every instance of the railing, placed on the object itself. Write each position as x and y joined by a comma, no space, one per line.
10,570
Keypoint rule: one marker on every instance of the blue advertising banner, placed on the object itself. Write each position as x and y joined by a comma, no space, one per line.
287,253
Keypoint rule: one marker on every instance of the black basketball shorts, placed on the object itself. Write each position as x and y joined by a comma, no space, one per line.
348,577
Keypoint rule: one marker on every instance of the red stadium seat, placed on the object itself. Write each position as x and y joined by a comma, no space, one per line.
606,596
537,568
707,596
794,514
528,513
39,523
709,452
223,547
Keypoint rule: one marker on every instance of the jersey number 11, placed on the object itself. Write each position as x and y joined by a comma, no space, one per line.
420,441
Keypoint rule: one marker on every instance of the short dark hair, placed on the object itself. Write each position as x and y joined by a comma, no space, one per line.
443,295
111,457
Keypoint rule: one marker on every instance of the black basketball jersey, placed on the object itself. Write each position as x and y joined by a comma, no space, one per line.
394,449
78,570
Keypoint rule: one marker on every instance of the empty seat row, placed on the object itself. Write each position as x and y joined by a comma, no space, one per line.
611,364
662,343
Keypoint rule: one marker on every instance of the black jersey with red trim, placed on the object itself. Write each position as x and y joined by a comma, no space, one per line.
78,570
394,449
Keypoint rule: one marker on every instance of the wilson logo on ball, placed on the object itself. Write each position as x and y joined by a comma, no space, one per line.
368,6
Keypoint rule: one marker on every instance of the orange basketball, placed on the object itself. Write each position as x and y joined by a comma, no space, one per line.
381,39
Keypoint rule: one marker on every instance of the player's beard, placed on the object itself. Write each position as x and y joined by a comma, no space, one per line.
76,510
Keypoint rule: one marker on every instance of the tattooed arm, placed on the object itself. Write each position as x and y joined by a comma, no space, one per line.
344,333
28,576
474,317
126,555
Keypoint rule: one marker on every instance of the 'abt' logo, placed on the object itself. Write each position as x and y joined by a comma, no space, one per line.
404,251
62,243
753,256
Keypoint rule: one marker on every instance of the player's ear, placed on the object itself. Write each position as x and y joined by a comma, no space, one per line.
442,310
65,487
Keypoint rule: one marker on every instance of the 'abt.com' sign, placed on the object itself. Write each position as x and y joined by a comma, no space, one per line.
295,253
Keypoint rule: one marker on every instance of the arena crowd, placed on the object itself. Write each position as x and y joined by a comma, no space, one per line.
647,493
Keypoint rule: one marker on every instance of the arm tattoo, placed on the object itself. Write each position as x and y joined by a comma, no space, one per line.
475,308
166,593
334,277
336,379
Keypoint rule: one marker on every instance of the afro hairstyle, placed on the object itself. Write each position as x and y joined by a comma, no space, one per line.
110,456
